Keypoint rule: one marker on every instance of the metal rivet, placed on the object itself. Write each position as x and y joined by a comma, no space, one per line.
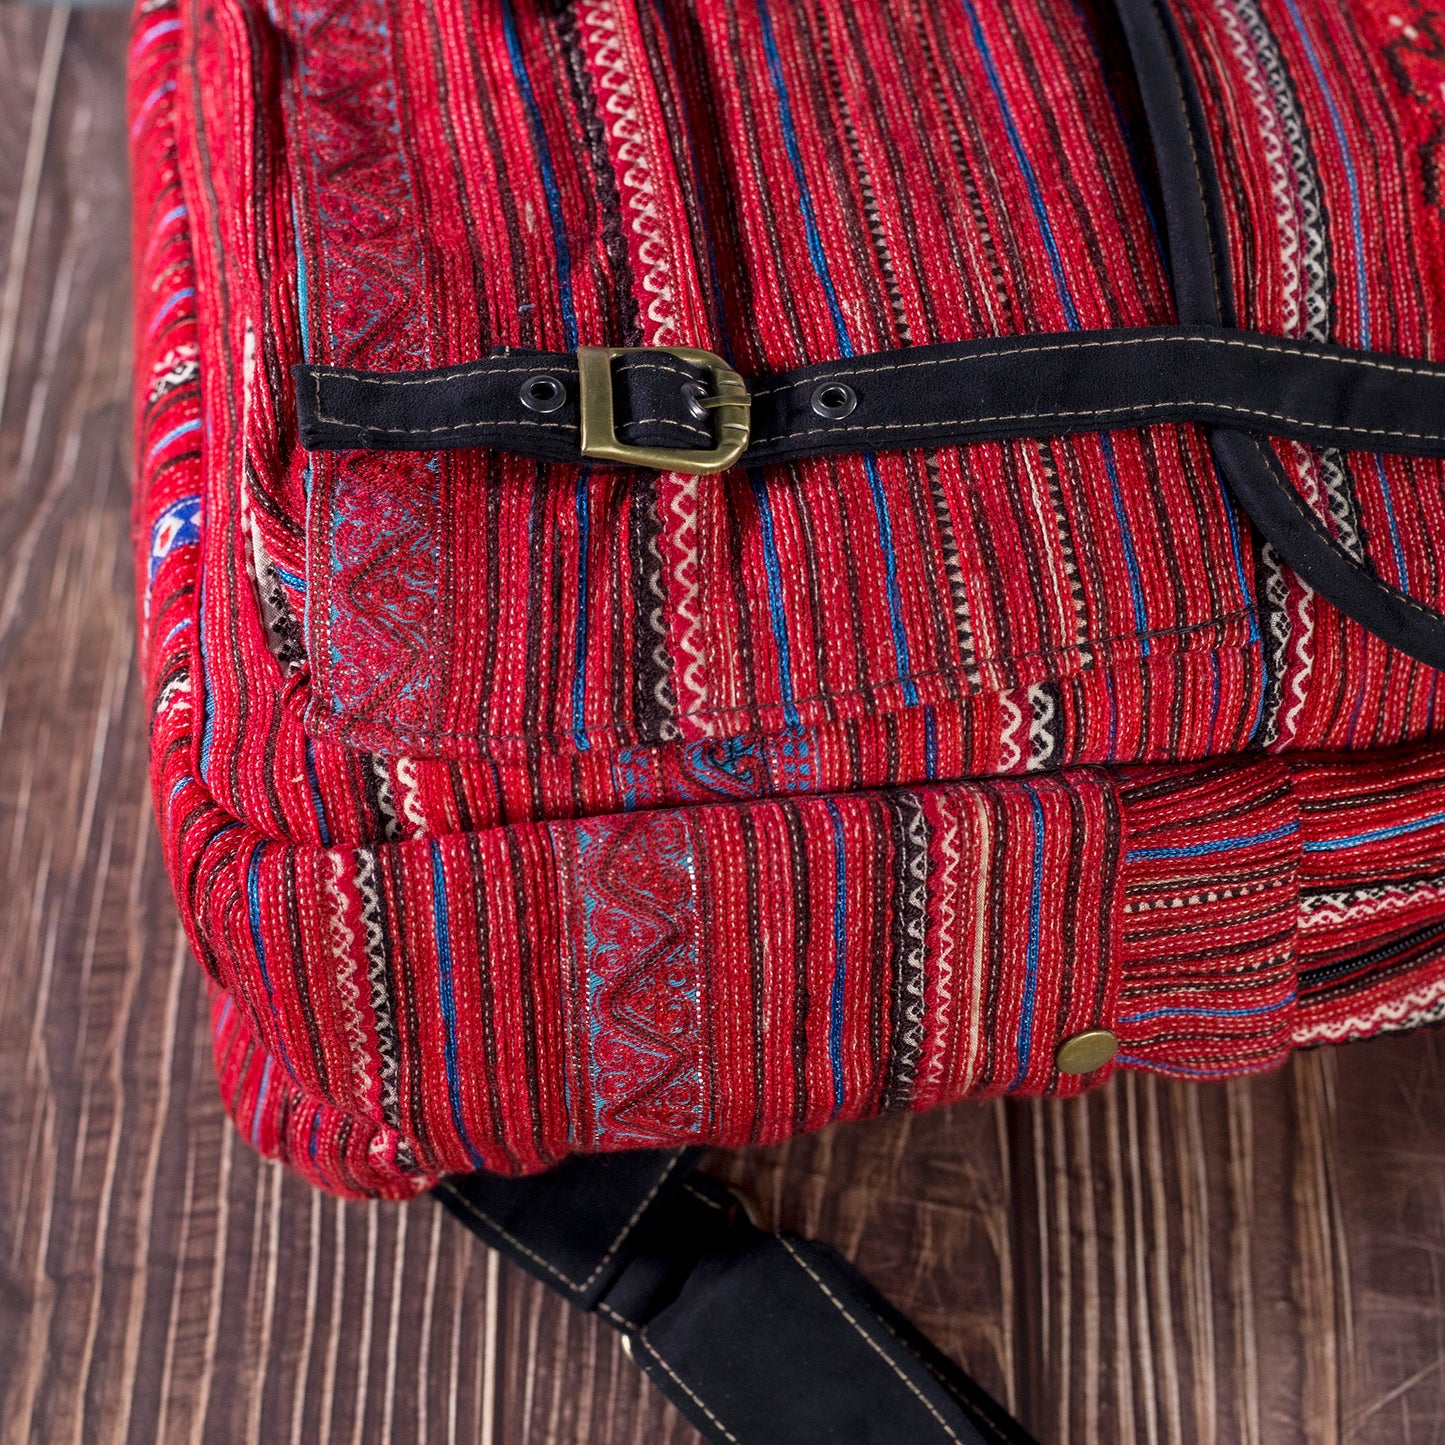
543,393
1085,1052
695,391
834,400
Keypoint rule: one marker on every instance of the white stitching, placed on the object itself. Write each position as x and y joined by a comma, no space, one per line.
539,367
872,1343
661,421
828,371
606,1259
928,427
704,1198
371,379
641,1338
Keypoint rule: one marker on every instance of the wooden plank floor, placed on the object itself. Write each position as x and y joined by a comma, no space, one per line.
1262,1263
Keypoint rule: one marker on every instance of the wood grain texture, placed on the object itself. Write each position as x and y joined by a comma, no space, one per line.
1262,1263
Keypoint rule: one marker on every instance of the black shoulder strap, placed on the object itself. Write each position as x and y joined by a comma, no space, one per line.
758,1338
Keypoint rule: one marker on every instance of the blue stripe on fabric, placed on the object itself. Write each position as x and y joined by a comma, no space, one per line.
303,289
549,175
930,744
174,214
1031,956
795,160
208,711
185,429
1224,845
1154,1066
1375,835
448,998
844,342
260,1103
1066,300
171,301
890,578
1208,1013
253,903
166,87
774,571
1031,180
1131,561
314,783
296,583
1352,180
840,957
1401,577
163,27
579,641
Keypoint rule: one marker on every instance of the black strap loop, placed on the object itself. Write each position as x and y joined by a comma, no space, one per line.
991,389
759,1339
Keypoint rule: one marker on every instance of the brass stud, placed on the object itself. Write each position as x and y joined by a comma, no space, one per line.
1085,1052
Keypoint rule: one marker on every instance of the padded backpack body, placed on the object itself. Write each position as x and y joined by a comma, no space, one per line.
521,808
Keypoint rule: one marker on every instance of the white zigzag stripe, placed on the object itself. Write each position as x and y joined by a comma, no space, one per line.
687,608
1012,754
410,796
1329,910
376,981
343,942
948,858
390,823
1041,737
634,168
654,253
1422,1005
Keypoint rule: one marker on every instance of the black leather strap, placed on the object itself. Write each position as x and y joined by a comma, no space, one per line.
759,1339
1040,385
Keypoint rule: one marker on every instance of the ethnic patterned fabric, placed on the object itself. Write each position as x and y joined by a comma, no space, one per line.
516,811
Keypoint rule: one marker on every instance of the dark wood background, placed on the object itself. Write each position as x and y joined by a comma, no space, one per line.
1260,1263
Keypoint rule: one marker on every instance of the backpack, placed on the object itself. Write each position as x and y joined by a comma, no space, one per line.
707,569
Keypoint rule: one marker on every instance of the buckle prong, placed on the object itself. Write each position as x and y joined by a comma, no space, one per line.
727,398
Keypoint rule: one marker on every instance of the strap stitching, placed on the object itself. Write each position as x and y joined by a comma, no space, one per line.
928,427
606,1259
641,1338
662,421
707,1199
827,371
1109,411
976,1406
372,379
872,1343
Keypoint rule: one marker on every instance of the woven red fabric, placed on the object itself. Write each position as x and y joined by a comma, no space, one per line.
516,811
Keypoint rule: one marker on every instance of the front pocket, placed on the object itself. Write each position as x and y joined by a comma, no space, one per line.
784,184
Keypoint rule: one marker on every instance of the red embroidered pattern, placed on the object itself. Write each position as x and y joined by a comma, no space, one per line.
601,810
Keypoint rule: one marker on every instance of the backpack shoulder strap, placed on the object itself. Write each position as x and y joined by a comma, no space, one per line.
757,1338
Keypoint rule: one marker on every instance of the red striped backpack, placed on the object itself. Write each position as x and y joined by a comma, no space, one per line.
713,566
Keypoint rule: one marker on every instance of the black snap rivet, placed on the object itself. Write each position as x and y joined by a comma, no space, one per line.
543,393
834,400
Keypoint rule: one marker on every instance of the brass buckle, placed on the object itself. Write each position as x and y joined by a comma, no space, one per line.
727,398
